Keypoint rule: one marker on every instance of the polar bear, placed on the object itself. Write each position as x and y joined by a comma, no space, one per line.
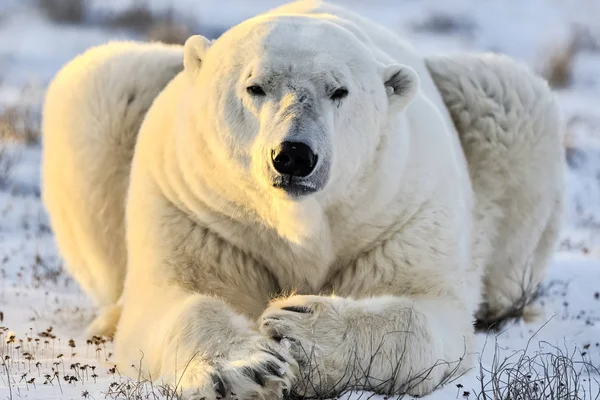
308,205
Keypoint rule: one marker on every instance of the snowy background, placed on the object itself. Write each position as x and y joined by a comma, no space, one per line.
42,311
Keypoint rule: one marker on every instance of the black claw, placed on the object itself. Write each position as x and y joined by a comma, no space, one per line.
220,387
276,355
298,309
266,319
255,375
273,369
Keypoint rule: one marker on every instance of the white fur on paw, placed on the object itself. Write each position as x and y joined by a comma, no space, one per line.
263,370
105,322
313,328
303,318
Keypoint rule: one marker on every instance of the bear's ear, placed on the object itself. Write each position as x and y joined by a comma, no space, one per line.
193,53
401,84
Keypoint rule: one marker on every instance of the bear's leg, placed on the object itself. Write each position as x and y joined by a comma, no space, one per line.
508,124
387,344
188,306
199,345
509,292
84,197
92,113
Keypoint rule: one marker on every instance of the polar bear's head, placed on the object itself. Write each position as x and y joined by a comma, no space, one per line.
293,107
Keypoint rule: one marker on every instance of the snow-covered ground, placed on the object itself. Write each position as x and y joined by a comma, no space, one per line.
42,309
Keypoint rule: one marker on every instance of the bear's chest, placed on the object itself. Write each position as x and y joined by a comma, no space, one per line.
308,268
303,269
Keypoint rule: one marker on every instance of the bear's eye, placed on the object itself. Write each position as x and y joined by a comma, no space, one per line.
339,94
255,90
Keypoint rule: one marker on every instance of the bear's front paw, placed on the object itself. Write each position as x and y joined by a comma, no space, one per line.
262,370
314,329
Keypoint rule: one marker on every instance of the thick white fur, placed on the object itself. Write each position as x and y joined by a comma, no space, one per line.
412,241
509,128
84,190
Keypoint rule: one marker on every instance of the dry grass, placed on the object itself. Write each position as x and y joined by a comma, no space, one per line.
358,381
546,372
164,26
558,70
64,11
129,389
19,124
137,17
549,372
161,26
169,32
20,121
444,24
42,359
7,161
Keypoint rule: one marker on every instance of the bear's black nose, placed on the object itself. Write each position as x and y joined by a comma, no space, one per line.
294,159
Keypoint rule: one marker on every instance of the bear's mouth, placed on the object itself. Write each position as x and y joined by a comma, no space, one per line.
294,187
